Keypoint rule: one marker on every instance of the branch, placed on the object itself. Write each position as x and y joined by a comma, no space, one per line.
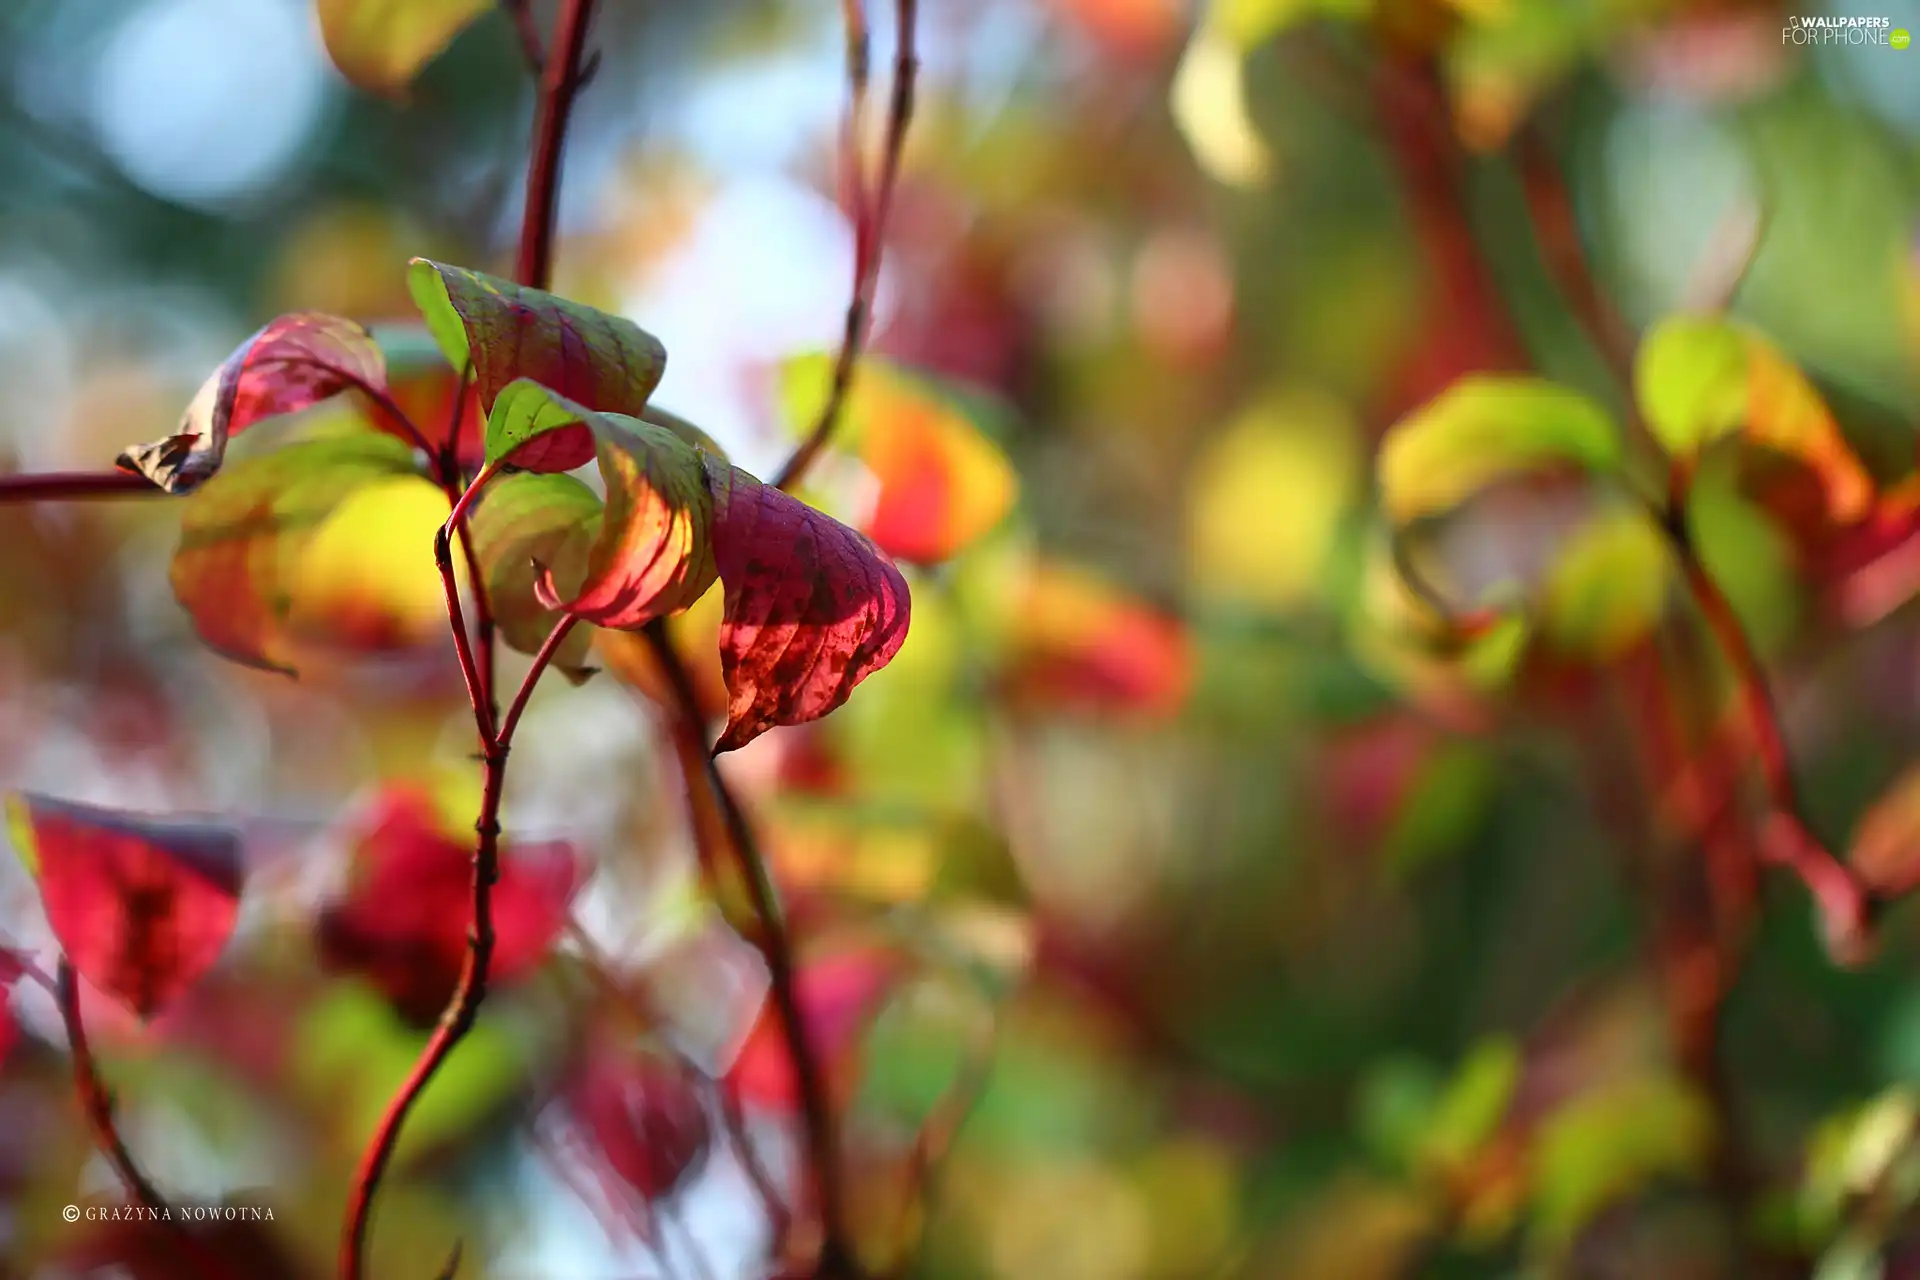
526,31
870,216
1845,905
71,486
464,1008
561,80
93,1095
776,948
557,88
98,1105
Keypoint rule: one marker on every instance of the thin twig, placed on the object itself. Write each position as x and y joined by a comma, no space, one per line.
93,1096
468,996
560,82
869,231
98,1105
548,648
776,948
463,647
527,32
70,486
558,86
1787,841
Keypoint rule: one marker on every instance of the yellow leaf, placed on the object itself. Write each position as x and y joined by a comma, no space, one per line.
381,45
1266,499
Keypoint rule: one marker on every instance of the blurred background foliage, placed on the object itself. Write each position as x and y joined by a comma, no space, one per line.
1308,949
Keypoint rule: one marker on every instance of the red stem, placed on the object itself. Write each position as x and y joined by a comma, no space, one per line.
464,1008
557,88
98,1106
561,80
870,224
68,486
1787,841
776,948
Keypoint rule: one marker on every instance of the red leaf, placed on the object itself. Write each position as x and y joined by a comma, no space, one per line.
1080,642
644,1115
838,995
292,363
812,608
403,924
143,907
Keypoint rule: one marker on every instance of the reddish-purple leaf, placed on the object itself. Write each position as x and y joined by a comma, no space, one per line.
141,905
11,967
504,331
812,608
643,1115
838,995
403,922
293,363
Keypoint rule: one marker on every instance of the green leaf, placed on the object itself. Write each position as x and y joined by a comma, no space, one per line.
1608,1144
381,45
1608,586
521,526
241,536
653,552
504,332
1702,378
1690,378
1475,1102
354,1053
1484,429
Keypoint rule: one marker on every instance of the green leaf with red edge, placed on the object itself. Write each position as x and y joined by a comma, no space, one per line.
812,608
381,45
242,534
525,525
292,363
652,554
504,331
1483,429
1700,379
142,906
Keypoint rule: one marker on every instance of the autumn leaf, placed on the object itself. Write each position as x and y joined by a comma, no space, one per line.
1484,429
242,536
504,331
292,363
651,555
1700,379
1886,843
381,45
403,920
812,608
641,1119
838,994
1078,640
942,482
142,906
523,526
